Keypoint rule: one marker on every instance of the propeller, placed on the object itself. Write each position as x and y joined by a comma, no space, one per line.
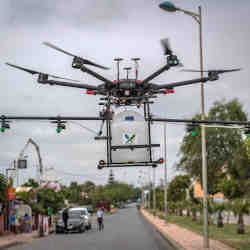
167,49
85,61
33,72
218,71
165,43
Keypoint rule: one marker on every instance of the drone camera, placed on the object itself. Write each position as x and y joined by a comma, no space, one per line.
77,63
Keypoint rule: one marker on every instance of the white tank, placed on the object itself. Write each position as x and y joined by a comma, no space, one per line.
129,128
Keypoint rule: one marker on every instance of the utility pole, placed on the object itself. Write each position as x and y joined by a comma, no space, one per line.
154,190
165,172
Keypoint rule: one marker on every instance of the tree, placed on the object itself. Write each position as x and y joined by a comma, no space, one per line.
31,183
231,188
177,188
247,143
3,186
240,208
221,145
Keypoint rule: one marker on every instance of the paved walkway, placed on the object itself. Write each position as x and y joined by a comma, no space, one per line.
185,238
15,239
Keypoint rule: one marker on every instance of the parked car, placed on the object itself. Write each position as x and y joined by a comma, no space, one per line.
85,215
76,222
79,220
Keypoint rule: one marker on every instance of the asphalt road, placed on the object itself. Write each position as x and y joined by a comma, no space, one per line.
125,229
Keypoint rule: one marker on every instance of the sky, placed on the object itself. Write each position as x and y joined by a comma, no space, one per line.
101,31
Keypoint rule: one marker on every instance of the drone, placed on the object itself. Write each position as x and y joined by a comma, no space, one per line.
122,92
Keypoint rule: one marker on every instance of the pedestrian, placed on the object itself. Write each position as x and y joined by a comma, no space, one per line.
27,223
65,217
100,214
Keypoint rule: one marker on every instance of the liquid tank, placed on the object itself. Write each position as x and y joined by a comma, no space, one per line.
129,128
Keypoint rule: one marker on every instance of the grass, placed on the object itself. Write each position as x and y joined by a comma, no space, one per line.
227,234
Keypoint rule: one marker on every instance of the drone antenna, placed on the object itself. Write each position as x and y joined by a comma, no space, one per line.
118,60
136,59
127,69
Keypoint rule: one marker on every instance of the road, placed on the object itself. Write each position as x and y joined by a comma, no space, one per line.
125,229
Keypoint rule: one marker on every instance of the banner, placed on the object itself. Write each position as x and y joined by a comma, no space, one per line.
11,194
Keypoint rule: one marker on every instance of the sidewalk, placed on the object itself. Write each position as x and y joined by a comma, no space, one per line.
180,237
15,239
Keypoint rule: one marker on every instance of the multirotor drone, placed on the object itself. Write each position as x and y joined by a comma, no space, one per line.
122,92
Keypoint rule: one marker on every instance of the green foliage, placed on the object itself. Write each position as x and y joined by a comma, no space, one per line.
231,188
3,186
31,183
240,208
221,146
247,144
177,189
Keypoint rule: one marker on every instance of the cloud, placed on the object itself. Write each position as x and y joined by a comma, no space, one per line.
101,31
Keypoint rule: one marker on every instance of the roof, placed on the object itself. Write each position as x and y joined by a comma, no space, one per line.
23,189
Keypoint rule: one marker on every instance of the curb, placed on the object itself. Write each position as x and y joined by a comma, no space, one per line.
172,242
11,244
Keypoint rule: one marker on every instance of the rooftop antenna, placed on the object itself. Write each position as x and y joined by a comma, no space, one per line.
136,59
118,60
127,69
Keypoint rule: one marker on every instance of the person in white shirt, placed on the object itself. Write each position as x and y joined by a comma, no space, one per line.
100,214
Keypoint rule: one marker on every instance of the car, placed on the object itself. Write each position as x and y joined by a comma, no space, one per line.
85,215
76,221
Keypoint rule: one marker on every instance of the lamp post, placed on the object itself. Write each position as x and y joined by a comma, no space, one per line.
170,7
165,172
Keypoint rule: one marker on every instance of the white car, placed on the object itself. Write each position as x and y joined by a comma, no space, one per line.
85,215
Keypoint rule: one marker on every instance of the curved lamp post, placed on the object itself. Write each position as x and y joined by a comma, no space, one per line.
170,7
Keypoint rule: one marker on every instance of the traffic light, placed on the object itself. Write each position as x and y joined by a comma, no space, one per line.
172,60
191,129
60,125
4,125
247,132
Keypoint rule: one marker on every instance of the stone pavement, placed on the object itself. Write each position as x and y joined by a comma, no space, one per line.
15,239
182,238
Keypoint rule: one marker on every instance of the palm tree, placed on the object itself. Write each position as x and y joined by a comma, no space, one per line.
240,208
219,208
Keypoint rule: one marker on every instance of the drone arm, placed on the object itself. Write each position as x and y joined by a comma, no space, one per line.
96,75
155,74
67,84
178,84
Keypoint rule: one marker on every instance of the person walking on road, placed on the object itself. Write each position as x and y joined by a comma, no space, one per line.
100,214
65,217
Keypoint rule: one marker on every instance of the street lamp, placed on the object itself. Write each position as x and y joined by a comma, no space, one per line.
170,7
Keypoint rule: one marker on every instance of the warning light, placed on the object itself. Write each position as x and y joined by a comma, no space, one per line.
90,92
101,162
138,81
115,81
168,91
161,160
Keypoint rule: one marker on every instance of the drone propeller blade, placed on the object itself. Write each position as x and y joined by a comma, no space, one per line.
85,61
220,71
58,49
33,72
165,43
